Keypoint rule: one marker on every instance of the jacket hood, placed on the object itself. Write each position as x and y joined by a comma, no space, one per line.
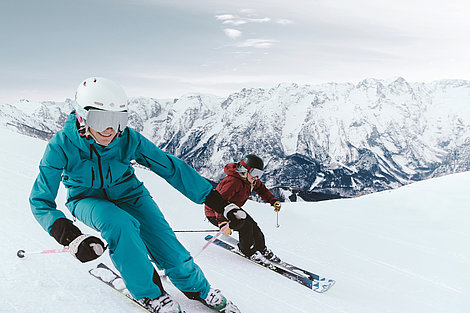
231,170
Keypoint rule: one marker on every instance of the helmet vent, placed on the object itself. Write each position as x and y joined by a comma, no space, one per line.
98,103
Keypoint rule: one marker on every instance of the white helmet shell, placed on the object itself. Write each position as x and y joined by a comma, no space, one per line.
99,93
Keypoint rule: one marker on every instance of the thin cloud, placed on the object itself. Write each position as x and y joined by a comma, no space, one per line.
224,17
240,20
232,33
248,16
258,20
235,22
257,43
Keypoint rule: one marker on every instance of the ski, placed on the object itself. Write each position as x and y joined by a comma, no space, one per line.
306,278
288,266
115,281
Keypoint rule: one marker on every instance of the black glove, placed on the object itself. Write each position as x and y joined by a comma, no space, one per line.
64,231
235,215
86,248
83,247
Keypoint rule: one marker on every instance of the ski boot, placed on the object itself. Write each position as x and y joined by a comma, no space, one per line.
216,301
162,304
268,254
259,258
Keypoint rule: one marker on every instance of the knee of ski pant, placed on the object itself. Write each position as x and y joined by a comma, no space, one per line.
120,224
251,221
181,269
248,225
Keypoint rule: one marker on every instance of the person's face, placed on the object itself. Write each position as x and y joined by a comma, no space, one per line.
105,137
250,178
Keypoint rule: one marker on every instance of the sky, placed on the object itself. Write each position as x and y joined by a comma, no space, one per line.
166,48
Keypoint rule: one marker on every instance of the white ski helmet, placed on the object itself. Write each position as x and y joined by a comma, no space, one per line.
101,103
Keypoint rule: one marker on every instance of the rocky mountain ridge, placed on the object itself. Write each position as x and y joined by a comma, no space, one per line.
337,138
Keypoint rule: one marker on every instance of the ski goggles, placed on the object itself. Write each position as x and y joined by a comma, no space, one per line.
255,172
100,120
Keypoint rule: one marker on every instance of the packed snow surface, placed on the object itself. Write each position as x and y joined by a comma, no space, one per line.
400,251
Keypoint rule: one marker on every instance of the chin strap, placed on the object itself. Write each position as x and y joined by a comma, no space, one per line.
88,133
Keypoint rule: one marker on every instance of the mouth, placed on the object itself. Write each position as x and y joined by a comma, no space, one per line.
105,135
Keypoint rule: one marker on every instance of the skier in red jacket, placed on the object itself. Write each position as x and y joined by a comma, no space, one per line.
241,180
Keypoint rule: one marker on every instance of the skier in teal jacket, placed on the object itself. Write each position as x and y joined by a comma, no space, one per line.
92,157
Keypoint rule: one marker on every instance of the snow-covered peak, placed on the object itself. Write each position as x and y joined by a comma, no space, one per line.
342,138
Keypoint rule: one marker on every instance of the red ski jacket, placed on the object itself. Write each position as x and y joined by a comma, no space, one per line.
237,190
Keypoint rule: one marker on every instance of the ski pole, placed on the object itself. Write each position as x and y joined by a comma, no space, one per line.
213,238
21,253
277,220
197,231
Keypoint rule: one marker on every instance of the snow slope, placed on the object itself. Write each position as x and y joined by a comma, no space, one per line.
405,250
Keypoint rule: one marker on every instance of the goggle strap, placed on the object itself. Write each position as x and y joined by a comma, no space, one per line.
251,169
245,165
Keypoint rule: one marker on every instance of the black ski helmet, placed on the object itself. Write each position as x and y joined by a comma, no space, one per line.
253,161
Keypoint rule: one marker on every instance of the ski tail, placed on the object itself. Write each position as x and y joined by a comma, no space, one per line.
106,275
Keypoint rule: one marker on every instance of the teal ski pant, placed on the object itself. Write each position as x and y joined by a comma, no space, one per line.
134,231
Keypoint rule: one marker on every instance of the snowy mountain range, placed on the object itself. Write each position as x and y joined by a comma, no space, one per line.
335,138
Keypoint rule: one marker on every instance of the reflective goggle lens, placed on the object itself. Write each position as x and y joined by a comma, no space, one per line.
255,172
100,120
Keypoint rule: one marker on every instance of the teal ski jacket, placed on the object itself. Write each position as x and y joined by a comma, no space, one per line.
88,169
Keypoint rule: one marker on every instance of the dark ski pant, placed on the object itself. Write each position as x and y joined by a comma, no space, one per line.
251,238
135,230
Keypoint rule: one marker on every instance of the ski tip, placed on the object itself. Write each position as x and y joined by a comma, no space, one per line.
324,287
